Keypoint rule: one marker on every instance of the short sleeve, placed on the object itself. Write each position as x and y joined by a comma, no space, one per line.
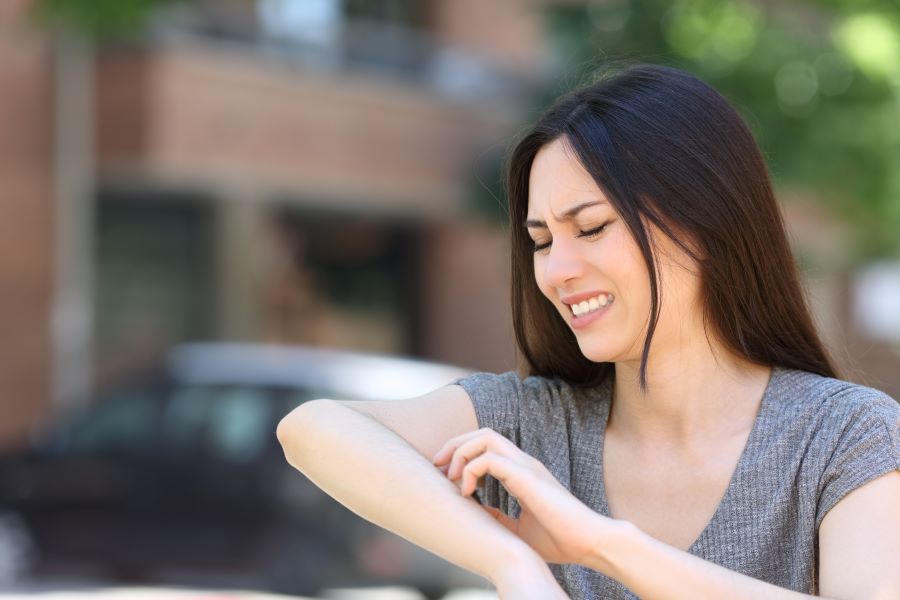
496,399
542,416
866,445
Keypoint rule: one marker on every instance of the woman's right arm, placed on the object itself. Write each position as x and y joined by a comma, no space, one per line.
375,459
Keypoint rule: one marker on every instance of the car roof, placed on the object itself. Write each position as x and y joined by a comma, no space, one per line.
342,373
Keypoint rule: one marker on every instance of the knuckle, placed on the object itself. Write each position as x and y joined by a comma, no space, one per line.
482,460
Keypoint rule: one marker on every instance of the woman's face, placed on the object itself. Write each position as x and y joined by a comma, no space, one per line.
593,258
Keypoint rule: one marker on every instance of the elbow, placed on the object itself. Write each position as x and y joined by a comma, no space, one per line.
282,431
285,425
291,427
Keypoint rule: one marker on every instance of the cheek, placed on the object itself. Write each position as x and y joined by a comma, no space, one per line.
632,281
538,279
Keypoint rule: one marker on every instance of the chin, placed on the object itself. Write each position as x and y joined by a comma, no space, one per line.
597,353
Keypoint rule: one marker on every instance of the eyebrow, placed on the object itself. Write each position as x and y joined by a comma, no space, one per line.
568,215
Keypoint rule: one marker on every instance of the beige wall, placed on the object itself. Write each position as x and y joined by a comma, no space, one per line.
466,297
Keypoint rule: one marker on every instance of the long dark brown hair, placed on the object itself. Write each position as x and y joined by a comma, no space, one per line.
666,148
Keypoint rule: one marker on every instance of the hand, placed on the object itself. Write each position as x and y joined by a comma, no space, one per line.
552,521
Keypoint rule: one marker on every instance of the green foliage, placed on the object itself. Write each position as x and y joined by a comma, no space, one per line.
100,19
818,81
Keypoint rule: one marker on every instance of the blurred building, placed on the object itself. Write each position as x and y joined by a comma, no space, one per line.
283,171
271,171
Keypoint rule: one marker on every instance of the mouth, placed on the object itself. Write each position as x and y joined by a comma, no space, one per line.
587,311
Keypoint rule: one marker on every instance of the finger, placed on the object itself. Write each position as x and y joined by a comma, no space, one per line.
446,451
462,455
490,463
490,441
450,446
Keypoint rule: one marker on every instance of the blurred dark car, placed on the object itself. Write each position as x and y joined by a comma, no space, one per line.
180,475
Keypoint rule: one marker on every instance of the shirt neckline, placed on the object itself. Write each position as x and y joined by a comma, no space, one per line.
744,461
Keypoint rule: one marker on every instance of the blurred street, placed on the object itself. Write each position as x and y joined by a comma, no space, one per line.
82,589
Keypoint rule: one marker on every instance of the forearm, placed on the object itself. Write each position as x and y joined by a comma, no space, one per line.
380,477
654,570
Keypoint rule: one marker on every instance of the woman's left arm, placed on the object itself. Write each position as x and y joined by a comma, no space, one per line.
859,537
859,542
859,546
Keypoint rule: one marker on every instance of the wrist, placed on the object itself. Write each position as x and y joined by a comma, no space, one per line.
516,559
613,540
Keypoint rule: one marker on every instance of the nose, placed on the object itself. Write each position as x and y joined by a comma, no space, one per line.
563,264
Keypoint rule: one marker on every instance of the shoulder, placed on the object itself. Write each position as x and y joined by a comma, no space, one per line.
844,432
834,404
853,432
537,399
511,384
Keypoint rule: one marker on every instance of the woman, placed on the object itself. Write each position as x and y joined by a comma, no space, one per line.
680,431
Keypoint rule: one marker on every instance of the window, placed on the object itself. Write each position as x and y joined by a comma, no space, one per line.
123,423
229,424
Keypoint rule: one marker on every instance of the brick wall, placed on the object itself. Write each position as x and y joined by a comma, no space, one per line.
25,226
218,120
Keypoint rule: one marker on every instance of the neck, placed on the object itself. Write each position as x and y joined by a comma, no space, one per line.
694,396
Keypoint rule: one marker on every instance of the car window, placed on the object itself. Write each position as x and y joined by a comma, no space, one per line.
230,424
123,422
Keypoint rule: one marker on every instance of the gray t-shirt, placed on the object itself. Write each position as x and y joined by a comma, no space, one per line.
815,439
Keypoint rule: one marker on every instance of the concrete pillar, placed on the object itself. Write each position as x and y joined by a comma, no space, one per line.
74,201
240,245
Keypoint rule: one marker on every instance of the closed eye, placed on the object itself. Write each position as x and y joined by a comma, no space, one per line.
591,233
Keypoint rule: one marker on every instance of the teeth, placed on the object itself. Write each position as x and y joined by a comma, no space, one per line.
595,303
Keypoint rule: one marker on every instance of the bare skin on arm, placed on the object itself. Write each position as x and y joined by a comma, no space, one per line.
371,457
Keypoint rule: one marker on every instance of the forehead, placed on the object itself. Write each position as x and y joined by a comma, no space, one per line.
558,180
